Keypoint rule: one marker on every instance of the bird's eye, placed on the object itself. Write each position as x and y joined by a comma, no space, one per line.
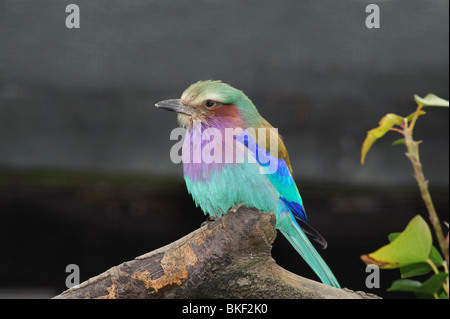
210,104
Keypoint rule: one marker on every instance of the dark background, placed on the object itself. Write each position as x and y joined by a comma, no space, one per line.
85,173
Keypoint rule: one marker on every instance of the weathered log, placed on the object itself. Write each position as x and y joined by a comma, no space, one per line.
226,258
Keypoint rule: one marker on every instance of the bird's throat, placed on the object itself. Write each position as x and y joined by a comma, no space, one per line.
185,121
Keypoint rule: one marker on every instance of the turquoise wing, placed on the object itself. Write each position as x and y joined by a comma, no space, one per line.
290,215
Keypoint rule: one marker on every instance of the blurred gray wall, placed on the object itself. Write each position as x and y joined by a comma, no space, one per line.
84,98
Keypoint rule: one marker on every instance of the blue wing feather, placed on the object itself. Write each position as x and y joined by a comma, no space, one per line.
281,179
296,208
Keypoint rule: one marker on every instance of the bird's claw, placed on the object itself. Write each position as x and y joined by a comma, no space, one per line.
234,209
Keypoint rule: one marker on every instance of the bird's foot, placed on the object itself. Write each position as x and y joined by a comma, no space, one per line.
234,209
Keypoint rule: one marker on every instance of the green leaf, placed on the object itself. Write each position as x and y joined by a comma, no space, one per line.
442,294
428,288
431,100
412,246
415,270
386,123
410,116
422,268
400,141
436,257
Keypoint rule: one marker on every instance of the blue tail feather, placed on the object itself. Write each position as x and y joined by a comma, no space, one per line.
291,230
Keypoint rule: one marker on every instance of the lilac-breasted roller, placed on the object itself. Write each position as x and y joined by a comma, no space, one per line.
222,124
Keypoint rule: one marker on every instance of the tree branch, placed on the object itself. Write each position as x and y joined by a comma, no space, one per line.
226,258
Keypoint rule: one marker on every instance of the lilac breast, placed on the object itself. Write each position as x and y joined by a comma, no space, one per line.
208,148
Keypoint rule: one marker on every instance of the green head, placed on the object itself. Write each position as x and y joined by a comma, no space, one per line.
207,100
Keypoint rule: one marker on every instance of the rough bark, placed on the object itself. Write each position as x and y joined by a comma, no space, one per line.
226,258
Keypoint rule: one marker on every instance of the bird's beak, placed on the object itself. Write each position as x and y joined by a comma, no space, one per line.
175,105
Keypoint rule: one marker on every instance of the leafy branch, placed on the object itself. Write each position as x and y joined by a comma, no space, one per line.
412,250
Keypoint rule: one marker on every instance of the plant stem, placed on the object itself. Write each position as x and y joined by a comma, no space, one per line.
432,265
413,155
414,119
436,271
446,285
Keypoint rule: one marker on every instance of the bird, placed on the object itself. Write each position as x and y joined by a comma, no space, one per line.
260,178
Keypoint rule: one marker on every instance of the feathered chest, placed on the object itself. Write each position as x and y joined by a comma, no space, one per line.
208,150
221,171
